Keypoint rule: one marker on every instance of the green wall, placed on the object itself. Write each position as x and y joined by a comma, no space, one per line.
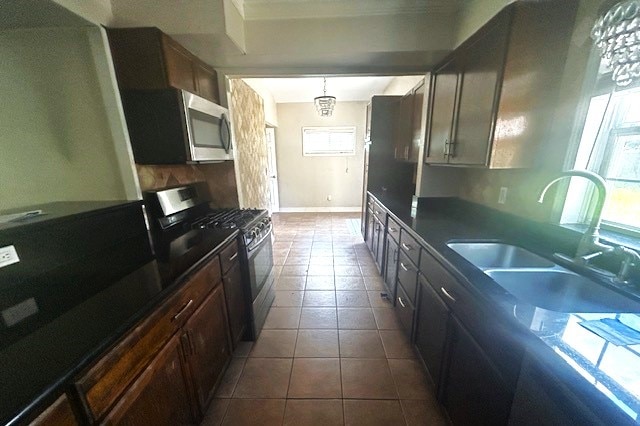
55,139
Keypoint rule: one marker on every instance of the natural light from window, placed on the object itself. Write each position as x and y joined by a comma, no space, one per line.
610,146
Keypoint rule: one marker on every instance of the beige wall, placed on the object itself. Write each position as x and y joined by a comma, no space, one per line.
305,182
400,85
247,116
56,140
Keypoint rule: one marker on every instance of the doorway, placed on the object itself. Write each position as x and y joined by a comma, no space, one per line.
272,169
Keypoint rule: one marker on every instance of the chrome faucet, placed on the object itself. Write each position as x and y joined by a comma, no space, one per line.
590,245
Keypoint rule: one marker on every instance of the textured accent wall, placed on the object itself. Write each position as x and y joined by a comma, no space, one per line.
219,176
247,115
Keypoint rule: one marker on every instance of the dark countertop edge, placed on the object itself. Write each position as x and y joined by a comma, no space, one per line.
533,344
65,383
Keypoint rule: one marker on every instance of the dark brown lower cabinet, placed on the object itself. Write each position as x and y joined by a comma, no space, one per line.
431,329
473,392
236,302
205,342
59,413
391,271
159,396
405,310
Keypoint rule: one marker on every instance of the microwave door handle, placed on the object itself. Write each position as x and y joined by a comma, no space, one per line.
226,146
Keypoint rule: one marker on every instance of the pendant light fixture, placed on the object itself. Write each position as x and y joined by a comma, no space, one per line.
617,36
325,104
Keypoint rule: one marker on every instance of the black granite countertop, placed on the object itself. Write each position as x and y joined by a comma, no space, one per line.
606,376
76,317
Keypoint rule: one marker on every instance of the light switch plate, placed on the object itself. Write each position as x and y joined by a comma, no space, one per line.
8,256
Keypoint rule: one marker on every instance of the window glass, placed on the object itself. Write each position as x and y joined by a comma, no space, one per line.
328,141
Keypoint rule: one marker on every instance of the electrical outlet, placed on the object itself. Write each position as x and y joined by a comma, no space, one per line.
502,198
328,197
8,256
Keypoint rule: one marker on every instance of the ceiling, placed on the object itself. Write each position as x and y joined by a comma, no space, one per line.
304,89
296,9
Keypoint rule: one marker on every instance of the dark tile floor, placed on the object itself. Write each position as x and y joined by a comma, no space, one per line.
331,352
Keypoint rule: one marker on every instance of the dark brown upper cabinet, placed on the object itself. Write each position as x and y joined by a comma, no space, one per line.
493,98
408,125
148,59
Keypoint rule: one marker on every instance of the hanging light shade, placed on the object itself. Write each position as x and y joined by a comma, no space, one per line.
617,36
325,104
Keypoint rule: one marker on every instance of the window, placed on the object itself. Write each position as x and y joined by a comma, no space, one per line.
328,141
610,147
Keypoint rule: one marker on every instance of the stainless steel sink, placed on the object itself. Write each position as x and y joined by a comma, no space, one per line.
499,255
561,290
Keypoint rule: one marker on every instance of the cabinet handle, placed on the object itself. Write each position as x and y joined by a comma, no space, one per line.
393,229
401,302
404,267
407,247
446,148
446,293
233,257
184,308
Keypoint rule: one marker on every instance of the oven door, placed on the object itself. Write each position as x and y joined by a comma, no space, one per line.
260,264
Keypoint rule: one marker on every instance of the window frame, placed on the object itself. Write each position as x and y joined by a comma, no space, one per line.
350,153
595,86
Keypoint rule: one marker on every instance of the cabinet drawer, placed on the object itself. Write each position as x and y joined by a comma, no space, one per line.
408,276
404,311
380,213
228,256
106,380
410,246
393,229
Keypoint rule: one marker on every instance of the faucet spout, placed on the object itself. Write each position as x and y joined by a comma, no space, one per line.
590,240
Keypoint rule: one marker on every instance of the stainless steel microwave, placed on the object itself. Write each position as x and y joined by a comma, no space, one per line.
175,127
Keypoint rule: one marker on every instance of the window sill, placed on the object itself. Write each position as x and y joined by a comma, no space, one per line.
609,236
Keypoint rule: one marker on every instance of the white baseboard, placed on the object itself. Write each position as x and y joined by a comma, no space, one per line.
320,209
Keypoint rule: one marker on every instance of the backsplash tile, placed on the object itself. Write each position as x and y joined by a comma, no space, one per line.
220,178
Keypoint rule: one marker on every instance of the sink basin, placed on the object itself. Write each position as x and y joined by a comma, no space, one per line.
499,255
561,290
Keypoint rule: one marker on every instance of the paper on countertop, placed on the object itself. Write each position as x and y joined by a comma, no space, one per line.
631,320
17,217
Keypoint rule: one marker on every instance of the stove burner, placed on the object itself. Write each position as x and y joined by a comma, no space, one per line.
228,219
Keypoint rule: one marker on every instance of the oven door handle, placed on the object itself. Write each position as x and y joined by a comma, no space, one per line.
255,246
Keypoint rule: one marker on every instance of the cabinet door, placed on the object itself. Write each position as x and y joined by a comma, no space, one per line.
158,396
431,329
370,229
482,66
405,311
206,82
402,127
473,392
205,341
179,64
378,249
391,271
416,123
445,86
59,413
236,302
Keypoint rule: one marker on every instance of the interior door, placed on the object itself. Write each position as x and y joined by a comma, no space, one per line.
272,169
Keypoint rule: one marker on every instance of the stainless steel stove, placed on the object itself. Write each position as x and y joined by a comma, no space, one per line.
184,214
